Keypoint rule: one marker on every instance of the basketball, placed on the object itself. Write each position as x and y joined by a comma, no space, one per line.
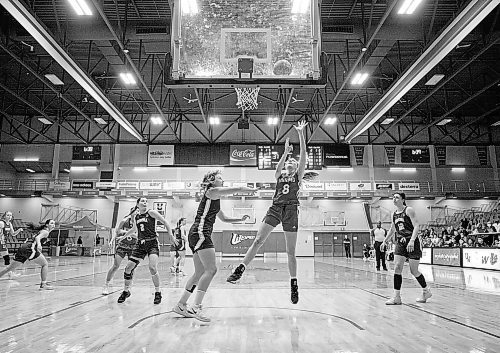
282,68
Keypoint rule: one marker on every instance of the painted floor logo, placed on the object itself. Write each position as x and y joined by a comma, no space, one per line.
238,238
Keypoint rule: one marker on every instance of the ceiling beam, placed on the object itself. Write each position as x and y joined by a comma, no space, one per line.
449,38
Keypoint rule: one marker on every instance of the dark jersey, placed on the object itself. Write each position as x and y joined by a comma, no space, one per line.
205,216
146,226
7,227
403,224
287,190
178,234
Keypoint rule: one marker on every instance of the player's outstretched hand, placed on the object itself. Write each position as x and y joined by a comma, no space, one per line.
300,126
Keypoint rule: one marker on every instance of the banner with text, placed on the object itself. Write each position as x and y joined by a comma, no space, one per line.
243,155
82,185
446,256
337,155
313,186
159,155
360,186
409,186
336,186
482,258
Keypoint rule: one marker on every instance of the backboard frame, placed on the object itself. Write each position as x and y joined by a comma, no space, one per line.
173,77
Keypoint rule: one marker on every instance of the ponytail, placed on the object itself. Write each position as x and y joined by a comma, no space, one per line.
310,176
32,226
209,179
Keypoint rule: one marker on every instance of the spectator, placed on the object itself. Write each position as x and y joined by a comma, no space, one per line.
479,242
366,253
97,240
497,242
470,243
79,242
464,222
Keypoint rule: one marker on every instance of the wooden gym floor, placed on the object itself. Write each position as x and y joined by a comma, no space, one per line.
341,309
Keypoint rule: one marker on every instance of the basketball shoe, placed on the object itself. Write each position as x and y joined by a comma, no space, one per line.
426,294
236,275
396,300
196,311
125,294
294,293
181,309
46,286
157,298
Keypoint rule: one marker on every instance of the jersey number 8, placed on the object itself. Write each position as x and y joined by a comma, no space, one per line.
286,189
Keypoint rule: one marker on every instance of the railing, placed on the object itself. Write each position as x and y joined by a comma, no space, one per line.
424,187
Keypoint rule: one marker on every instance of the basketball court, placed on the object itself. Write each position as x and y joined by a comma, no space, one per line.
341,309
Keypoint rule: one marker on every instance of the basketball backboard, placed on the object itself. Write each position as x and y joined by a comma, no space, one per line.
282,37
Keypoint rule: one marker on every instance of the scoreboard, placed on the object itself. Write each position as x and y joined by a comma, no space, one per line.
268,156
86,153
415,155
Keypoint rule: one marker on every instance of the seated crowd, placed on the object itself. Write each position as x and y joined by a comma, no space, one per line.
477,232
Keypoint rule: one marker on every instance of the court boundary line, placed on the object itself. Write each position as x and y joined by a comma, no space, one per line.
359,327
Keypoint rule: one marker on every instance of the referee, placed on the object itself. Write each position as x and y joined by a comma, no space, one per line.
378,235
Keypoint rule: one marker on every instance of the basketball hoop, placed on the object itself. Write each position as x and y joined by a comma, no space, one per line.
247,97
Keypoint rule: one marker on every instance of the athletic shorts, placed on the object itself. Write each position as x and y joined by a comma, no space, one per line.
288,215
25,252
194,236
145,247
126,247
401,245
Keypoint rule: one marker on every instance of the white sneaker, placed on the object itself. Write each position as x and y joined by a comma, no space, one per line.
46,286
196,312
396,300
181,309
13,275
105,289
426,294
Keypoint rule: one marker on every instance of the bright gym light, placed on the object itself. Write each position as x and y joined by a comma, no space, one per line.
331,120
272,120
156,120
409,7
189,7
214,120
128,78
300,6
359,78
81,7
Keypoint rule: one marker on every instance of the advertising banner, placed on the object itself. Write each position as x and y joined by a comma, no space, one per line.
151,185
238,241
384,186
159,155
128,185
446,256
105,185
90,192
59,185
82,185
426,256
174,185
112,192
313,186
484,258
336,186
360,186
243,155
409,186
262,186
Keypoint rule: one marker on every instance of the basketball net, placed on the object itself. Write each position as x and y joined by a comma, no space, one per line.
247,97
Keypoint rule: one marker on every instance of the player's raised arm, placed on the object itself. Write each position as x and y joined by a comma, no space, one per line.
281,163
303,150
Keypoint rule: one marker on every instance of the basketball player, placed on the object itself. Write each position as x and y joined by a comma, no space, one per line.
283,210
32,251
200,242
178,247
147,244
6,227
125,245
405,228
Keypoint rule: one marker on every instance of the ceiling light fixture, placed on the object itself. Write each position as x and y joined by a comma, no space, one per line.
67,170
387,121
409,7
331,120
156,120
54,79
128,78
81,7
272,120
214,120
30,170
45,121
100,121
26,159
434,80
359,78
443,122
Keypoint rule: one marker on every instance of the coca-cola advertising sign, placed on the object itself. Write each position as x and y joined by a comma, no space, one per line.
243,155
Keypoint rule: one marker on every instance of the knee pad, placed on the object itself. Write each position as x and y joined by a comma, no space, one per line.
128,276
